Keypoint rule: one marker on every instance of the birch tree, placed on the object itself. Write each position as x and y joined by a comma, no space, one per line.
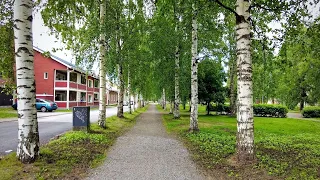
28,134
245,137
129,93
194,72
176,112
102,72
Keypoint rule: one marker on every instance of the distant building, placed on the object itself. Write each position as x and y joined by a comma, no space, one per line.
61,81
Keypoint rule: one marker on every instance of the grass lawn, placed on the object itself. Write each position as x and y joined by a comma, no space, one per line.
72,154
285,148
91,108
8,113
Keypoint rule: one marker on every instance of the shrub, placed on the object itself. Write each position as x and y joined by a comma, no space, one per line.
312,111
270,110
263,110
220,108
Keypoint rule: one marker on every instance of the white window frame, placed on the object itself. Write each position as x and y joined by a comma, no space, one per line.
90,100
89,83
45,75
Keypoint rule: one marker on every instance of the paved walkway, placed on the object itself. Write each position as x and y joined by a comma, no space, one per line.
299,116
147,152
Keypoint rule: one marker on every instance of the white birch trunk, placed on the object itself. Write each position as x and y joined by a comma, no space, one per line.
176,113
139,101
171,109
245,135
129,95
163,99
121,92
102,72
194,73
134,102
28,134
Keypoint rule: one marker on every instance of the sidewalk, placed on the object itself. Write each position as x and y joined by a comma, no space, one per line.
147,152
299,116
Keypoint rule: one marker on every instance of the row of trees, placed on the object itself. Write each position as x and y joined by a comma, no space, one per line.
154,50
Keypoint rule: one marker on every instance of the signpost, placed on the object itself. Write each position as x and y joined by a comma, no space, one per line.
81,118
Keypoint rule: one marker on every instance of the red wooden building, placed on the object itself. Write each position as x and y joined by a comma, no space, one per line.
61,81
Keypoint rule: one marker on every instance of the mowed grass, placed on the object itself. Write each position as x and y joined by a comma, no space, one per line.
8,112
71,155
285,148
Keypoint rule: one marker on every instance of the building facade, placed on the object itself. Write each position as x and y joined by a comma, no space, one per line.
62,82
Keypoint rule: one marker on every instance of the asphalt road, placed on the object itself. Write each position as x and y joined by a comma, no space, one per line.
48,128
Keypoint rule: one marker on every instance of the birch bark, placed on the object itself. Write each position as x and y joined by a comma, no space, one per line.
176,113
163,99
245,134
102,71
28,134
121,92
129,95
134,102
194,73
139,101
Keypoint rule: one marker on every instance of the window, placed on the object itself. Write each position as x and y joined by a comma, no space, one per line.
90,98
45,75
61,75
61,96
72,96
96,97
90,84
83,79
96,83
73,77
83,96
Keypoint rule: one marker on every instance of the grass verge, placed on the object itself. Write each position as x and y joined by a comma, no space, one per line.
8,113
72,154
285,148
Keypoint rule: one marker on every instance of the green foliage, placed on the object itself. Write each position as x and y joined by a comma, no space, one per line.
270,110
220,108
286,148
216,147
210,80
311,111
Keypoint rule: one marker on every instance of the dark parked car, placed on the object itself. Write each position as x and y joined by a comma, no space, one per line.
42,105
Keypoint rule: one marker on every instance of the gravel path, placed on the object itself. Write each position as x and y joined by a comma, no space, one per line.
299,116
147,152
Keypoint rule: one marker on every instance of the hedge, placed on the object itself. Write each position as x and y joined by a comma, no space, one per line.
309,112
263,110
220,108
270,110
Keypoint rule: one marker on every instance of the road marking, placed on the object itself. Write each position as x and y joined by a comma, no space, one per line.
8,151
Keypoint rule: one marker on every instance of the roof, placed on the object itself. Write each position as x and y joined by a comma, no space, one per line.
64,62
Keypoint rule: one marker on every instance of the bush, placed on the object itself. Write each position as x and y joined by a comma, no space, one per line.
270,110
312,111
219,108
263,110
